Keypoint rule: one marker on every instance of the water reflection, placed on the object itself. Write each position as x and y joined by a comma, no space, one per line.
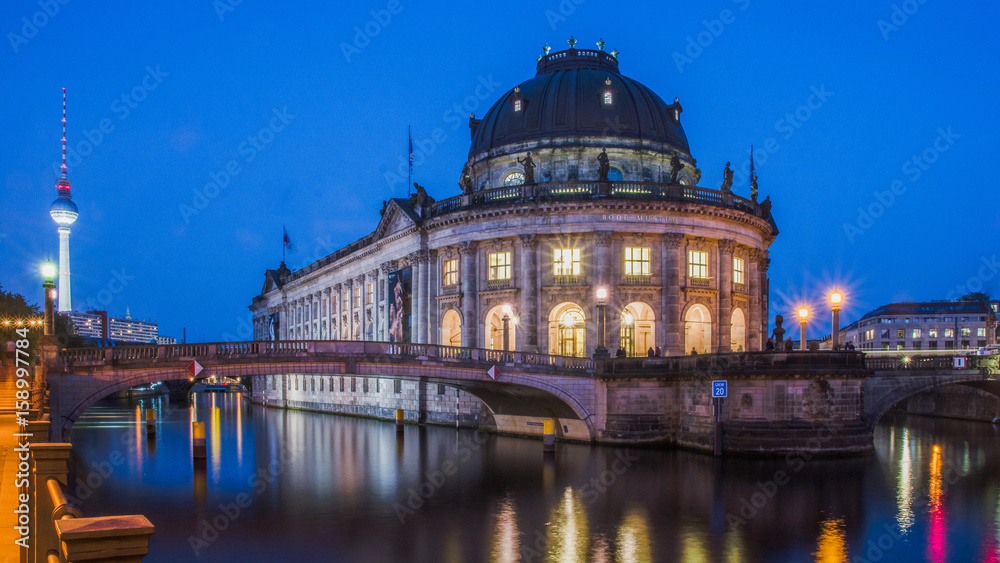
506,546
937,547
832,545
325,488
904,486
633,538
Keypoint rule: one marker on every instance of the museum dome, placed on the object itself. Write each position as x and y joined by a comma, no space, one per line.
579,92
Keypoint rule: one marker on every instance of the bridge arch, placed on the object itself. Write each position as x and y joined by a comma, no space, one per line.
888,389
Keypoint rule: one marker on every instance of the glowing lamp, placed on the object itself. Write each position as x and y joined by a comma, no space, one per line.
835,297
803,313
507,310
48,270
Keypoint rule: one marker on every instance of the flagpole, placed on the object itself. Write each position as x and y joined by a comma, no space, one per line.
284,233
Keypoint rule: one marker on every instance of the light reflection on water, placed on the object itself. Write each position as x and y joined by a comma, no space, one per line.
327,488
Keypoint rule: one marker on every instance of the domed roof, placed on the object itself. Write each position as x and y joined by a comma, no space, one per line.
568,97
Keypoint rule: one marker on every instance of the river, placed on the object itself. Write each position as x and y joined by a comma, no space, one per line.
282,485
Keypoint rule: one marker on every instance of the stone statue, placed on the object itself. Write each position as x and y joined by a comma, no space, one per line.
765,207
675,168
420,197
529,169
385,205
753,188
466,182
602,166
727,179
778,334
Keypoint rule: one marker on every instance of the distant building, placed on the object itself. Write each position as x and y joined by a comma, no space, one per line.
97,324
166,340
931,325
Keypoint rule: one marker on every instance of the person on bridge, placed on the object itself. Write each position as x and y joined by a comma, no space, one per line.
650,352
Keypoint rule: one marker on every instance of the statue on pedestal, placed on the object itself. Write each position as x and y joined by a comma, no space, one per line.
727,179
675,168
529,168
603,167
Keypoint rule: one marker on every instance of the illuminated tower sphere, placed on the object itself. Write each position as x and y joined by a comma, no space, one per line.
64,213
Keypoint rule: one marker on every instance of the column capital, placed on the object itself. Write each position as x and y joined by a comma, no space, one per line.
602,238
727,246
468,247
328,291
673,240
387,267
432,254
754,255
528,241
360,279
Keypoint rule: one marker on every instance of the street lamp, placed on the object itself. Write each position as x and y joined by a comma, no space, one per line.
601,351
803,314
506,327
49,272
835,298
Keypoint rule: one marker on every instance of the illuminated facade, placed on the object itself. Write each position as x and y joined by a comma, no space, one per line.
577,179
92,325
931,325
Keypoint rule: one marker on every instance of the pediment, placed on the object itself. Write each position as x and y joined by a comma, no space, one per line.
394,220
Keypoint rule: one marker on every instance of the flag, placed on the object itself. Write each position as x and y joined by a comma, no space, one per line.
286,242
410,136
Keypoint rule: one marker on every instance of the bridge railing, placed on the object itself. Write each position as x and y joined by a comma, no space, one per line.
712,365
918,363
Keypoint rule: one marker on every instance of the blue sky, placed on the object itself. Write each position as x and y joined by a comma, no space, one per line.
308,105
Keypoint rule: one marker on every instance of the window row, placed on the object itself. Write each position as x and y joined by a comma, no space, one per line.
919,332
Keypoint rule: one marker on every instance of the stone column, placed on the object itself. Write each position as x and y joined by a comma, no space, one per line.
602,278
433,273
360,284
307,320
347,329
725,288
384,298
416,302
673,324
529,291
765,262
373,279
283,321
470,291
755,337
328,314
335,310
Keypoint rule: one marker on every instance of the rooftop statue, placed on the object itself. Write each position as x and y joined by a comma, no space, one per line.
529,169
727,179
602,166
675,168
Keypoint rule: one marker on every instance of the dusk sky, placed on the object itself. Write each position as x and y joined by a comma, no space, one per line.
844,102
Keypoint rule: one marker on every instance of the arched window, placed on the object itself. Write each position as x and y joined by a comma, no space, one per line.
615,174
572,330
698,330
738,332
514,179
637,329
451,329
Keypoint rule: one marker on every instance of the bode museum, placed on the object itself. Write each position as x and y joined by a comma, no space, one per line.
579,199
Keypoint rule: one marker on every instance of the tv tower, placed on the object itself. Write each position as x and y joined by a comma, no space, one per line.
64,213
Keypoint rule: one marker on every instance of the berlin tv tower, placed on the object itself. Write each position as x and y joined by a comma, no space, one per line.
64,213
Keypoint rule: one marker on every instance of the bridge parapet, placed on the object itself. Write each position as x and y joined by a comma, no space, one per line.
779,364
932,363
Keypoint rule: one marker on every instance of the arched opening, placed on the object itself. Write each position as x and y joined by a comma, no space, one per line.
494,327
568,331
738,333
615,174
451,329
637,329
697,330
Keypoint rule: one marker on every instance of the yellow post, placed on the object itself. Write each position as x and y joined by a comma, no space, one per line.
150,423
549,436
198,440
400,415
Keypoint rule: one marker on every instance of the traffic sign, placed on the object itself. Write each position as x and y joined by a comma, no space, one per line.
494,373
194,368
959,362
719,389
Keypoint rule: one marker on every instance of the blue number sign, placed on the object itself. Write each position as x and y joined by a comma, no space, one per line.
718,389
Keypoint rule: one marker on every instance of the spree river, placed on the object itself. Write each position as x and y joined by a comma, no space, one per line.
281,485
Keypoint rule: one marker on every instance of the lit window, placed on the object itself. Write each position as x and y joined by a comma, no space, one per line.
345,298
514,179
370,294
567,262
499,265
607,97
916,333
967,332
697,264
517,105
451,271
932,333
900,333
949,333
357,297
980,332
637,261
738,270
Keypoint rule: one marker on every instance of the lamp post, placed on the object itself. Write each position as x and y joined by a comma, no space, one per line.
49,322
835,298
601,351
803,314
506,328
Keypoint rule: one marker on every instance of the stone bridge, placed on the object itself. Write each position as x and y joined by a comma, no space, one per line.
821,402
